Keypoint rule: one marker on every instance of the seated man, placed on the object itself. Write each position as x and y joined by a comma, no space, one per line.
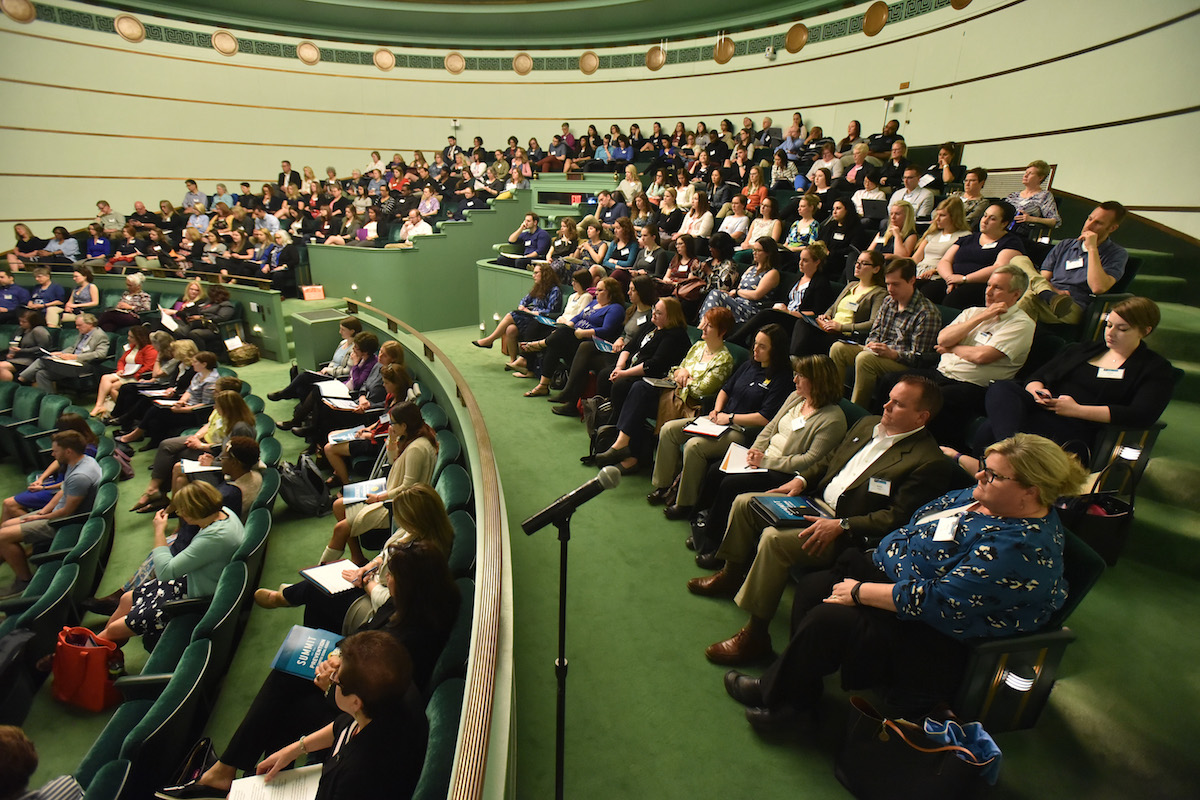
610,210
793,145
111,221
980,346
891,174
532,243
75,494
881,143
143,219
920,198
192,197
902,337
883,470
1076,269
415,225
13,298
90,349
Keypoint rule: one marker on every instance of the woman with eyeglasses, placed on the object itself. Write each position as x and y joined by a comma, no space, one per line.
852,312
977,563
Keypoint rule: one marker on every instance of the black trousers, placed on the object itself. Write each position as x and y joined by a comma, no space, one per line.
1010,409
870,646
561,345
962,402
744,334
724,489
586,361
285,708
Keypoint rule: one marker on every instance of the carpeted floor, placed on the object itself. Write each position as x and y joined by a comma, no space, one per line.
646,713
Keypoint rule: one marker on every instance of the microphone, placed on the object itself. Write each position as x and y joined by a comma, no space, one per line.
607,478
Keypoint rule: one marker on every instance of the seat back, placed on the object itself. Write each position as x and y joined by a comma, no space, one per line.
268,492
452,663
269,451
434,416
52,406
26,402
1082,567
462,552
449,450
110,469
255,403
454,487
264,427
87,551
8,390
51,612
443,711
254,545
220,622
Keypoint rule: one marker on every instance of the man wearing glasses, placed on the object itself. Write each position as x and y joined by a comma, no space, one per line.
885,469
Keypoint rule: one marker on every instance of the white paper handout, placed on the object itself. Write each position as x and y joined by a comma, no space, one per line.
734,462
292,784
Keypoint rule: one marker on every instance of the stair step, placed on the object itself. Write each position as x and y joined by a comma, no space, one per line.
1190,385
1160,262
1165,536
1173,480
1178,335
1160,288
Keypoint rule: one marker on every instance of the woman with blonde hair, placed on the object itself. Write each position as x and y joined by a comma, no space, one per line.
899,240
631,186
949,224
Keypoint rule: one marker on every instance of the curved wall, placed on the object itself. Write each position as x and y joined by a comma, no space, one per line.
1102,90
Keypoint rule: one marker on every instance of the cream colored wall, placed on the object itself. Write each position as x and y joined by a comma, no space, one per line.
92,116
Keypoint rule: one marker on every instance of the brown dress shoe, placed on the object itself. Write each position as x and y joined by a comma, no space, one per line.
744,648
721,584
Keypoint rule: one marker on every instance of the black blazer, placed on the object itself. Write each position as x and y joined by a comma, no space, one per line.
1138,400
665,349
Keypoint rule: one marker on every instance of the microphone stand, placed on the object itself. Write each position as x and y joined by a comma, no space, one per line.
560,664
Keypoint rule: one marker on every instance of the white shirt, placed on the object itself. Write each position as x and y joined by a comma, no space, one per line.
920,198
735,225
1011,333
880,443
408,230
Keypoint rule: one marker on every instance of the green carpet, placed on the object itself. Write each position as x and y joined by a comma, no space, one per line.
646,713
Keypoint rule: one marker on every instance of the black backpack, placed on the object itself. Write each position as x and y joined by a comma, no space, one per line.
303,488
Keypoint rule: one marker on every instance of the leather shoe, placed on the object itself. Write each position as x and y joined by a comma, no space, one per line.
613,455
658,496
690,543
709,561
721,584
744,688
285,425
565,411
771,719
744,648
677,512
275,397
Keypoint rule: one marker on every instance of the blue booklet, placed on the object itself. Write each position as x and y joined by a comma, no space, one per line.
789,512
303,650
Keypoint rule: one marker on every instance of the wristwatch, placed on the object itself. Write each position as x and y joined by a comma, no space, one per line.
844,524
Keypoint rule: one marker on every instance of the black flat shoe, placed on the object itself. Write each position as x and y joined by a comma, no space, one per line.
744,688
772,719
612,455
709,561
481,345
674,512
658,496
565,411
286,425
276,396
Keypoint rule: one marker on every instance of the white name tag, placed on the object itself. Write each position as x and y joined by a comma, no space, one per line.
880,486
1111,374
852,305
640,320
797,423
946,528
991,246
1075,263
837,237
983,337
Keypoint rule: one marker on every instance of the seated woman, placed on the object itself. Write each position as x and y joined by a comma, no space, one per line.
623,249
364,385
412,448
368,438
970,261
631,185
783,173
947,227
336,368
239,482
238,256
945,170
282,265
126,312
213,252
44,487
658,187
160,252
588,360
581,283
748,400
85,298
173,374
1035,213
422,607
127,250
28,245
766,224
1118,380
653,259
670,216
699,221
193,572
23,351
870,190
163,419
137,361
852,313
202,325
806,229
839,233
632,398
594,249
544,299
804,430
899,239
230,417
754,288
600,319
97,252
898,616
718,270
562,247
641,213
811,295
755,190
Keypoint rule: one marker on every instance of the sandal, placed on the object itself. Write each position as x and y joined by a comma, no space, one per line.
521,373
541,390
533,347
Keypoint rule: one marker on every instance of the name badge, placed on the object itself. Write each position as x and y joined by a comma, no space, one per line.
852,305
946,528
991,246
624,251
983,337
880,486
837,237
1111,374
1074,263
797,423
640,320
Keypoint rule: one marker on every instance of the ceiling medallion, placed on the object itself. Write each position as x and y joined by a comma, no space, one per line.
224,43
455,63
875,18
797,37
384,59
130,28
589,62
723,50
309,53
522,63
959,5
18,10
656,57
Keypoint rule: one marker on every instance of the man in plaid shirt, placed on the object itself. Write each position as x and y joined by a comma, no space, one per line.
902,337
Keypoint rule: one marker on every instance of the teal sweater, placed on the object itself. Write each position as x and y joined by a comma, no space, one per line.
201,561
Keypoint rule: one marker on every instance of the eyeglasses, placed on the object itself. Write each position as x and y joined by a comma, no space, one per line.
990,475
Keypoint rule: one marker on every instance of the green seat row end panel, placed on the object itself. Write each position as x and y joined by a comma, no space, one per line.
454,487
444,712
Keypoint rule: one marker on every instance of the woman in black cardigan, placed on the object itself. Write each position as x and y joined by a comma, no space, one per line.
633,400
1119,380
809,296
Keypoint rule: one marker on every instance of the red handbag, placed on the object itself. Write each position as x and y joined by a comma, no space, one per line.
85,666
